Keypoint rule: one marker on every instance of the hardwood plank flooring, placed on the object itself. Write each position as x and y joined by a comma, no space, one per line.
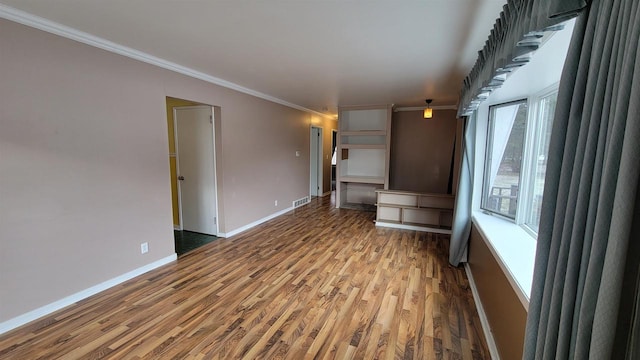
315,283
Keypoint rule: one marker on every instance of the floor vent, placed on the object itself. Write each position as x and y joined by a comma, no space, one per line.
300,202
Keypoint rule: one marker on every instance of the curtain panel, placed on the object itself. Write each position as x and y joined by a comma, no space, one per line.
585,301
516,33
461,228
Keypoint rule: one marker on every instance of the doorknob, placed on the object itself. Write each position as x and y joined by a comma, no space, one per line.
181,178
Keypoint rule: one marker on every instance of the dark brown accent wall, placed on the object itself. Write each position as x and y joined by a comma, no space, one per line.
421,151
506,314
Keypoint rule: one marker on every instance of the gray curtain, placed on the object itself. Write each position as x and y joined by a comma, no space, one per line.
462,214
585,295
516,33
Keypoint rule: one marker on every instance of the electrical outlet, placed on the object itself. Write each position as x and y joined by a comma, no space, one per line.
276,203
144,248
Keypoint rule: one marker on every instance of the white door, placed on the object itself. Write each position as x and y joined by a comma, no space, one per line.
315,166
196,170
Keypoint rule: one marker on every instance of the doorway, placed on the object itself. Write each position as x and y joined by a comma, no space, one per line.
334,144
315,166
195,166
178,113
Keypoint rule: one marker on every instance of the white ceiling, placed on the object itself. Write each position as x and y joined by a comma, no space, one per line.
312,53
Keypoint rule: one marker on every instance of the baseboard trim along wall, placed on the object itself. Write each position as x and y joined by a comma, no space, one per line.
484,321
255,223
69,300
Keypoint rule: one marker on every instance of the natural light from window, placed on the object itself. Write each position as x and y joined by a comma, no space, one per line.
516,160
546,107
507,126
512,143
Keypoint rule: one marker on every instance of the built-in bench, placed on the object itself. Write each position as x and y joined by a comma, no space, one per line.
415,211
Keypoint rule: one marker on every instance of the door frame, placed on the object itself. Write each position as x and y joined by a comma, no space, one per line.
334,147
215,172
318,151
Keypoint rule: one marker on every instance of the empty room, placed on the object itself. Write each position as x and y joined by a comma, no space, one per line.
319,179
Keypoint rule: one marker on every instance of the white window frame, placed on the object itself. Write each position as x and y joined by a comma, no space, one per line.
487,159
527,180
525,183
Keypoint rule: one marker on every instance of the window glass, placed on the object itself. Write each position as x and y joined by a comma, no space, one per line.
507,127
546,110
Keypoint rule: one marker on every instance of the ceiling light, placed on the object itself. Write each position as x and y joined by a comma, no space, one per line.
428,111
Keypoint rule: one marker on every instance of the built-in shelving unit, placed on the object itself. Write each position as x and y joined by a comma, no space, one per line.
363,154
415,211
363,146
363,179
365,133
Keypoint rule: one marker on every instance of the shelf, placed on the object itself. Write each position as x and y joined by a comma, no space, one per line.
363,154
416,211
436,226
409,226
363,179
364,133
431,226
414,207
412,193
364,146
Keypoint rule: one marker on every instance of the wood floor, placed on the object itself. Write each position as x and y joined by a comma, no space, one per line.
316,283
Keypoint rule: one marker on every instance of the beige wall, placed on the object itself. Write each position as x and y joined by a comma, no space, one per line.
85,176
421,150
506,314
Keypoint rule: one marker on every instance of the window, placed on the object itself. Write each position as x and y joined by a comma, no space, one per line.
505,146
516,161
539,149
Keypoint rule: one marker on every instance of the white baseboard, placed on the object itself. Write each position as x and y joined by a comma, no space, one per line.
484,321
413,227
255,223
69,300
177,227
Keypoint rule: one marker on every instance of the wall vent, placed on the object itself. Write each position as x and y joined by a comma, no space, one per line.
297,203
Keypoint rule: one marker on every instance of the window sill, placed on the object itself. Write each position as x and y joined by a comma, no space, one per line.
514,250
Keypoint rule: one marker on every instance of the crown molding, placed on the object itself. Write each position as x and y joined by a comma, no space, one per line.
52,27
420,108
